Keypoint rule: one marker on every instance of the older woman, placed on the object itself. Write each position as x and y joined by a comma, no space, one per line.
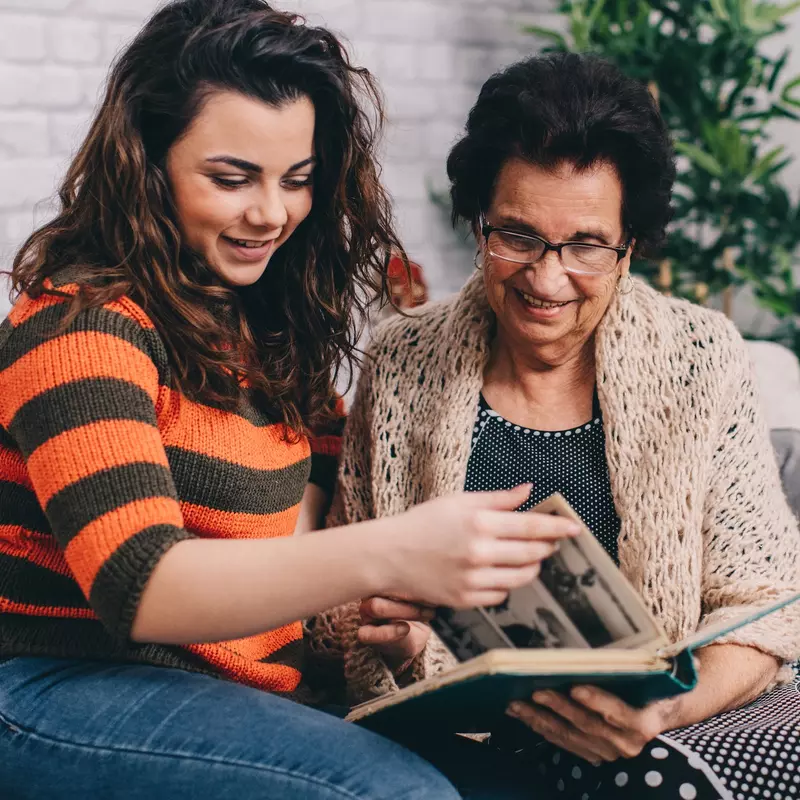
554,366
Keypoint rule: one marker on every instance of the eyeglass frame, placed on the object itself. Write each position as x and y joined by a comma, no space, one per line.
487,230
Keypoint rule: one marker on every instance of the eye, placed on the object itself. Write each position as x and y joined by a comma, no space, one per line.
229,183
298,181
588,252
515,242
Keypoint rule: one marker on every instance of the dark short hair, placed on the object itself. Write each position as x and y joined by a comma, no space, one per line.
568,108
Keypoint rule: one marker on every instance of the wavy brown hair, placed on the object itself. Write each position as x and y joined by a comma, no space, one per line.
287,335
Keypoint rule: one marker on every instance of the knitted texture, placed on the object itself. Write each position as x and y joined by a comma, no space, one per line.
104,467
705,528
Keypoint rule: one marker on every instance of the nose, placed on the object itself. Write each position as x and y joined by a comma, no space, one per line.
548,274
268,209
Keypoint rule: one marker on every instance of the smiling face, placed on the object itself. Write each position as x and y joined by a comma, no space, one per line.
542,311
241,178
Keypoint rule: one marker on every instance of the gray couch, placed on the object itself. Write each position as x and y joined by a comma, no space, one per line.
778,375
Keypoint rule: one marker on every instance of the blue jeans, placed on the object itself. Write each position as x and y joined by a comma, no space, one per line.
81,729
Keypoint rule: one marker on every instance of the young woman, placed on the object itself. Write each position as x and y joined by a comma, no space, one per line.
162,374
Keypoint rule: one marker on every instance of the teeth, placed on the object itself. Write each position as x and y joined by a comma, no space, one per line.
534,301
246,243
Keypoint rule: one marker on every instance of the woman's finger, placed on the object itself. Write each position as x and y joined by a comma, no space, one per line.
556,731
383,634
504,578
612,742
614,711
486,598
530,525
517,552
501,500
638,725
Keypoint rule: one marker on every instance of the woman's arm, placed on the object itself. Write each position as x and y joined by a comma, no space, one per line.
461,551
213,590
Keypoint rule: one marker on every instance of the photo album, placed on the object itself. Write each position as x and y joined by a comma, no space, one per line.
579,622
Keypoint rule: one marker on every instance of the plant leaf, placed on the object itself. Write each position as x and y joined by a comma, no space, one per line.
720,12
595,12
776,168
763,164
777,68
788,89
777,12
700,157
545,33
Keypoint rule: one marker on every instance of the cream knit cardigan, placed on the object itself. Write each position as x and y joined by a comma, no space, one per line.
705,528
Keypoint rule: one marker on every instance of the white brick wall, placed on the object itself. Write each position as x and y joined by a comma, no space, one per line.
53,59
430,56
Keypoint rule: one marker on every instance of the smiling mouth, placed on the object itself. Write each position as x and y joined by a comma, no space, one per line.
250,244
537,303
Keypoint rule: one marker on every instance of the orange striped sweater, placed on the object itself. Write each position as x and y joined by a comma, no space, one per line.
103,467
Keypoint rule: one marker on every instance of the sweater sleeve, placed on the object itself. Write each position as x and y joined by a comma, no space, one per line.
752,544
80,402
326,448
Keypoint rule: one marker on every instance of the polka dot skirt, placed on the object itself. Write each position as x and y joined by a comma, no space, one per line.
751,753
572,462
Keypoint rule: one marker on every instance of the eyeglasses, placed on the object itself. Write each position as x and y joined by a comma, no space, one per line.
578,258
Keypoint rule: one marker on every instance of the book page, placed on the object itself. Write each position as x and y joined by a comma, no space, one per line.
529,617
584,580
580,600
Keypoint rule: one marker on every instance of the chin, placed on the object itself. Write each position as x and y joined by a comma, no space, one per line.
241,276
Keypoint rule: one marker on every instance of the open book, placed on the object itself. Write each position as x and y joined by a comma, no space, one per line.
581,622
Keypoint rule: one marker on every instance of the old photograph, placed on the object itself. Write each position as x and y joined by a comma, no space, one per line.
530,617
468,633
587,585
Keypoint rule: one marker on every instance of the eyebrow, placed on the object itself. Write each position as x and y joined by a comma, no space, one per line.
579,236
249,166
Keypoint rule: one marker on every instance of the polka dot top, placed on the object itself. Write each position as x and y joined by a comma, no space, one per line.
571,462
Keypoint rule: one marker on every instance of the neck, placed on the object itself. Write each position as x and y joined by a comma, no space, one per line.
528,390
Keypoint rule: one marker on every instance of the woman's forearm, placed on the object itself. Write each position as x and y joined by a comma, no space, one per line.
212,590
729,676
462,550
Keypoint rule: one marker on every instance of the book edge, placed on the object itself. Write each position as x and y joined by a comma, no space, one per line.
528,663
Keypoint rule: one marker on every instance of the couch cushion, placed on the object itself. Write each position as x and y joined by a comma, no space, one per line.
778,375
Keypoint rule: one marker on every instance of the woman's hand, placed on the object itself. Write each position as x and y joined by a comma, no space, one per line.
397,629
598,726
467,549
474,549
594,724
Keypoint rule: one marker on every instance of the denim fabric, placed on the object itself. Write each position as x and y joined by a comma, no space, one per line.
74,729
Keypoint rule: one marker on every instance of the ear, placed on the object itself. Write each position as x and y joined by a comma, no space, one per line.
625,263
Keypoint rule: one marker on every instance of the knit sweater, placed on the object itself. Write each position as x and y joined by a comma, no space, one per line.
705,529
104,467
